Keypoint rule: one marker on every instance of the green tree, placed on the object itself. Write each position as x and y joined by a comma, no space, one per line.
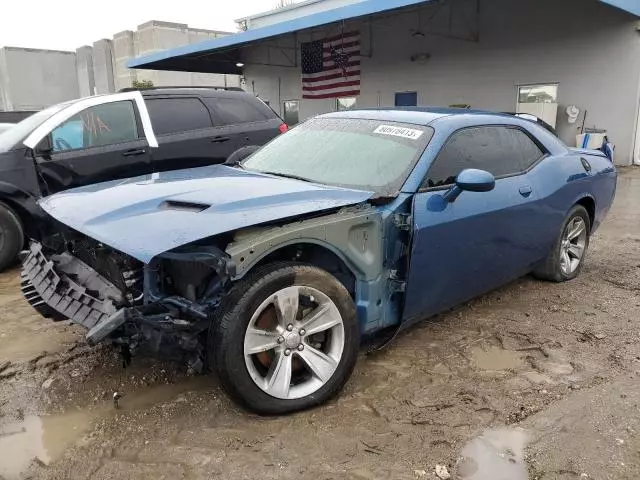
284,3
142,84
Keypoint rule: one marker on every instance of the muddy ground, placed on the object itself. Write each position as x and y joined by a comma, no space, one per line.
535,380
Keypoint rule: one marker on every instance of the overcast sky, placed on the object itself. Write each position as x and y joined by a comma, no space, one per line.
68,24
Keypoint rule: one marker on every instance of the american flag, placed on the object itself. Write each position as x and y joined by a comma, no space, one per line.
331,67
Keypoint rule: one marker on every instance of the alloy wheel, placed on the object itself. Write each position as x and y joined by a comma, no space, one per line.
294,342
574,241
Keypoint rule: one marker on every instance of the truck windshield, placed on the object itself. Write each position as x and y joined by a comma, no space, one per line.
370,155
12,138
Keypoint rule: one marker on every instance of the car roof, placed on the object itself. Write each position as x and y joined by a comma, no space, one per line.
415,115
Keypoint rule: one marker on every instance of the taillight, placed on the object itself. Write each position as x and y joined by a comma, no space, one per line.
284,128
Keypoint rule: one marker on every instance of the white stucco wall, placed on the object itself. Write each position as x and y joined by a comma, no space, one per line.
590,49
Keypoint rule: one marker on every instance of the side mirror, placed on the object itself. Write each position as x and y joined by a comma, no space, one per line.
240,155
44,148
470,180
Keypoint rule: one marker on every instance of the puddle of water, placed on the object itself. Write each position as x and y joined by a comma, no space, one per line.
496,358
494,455
43,438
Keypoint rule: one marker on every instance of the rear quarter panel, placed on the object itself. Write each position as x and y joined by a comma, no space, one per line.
561,182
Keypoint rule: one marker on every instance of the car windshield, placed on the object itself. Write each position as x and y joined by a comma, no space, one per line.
362,154
11,138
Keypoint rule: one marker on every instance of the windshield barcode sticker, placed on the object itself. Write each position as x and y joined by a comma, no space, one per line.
399,132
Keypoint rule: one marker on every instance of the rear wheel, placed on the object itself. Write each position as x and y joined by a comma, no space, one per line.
11,237
567,256
287,340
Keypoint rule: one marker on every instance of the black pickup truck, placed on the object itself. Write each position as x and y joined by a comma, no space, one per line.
116,136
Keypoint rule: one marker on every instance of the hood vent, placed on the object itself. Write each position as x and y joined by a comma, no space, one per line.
183,206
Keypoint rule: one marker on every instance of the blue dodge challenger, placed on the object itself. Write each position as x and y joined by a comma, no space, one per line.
271,270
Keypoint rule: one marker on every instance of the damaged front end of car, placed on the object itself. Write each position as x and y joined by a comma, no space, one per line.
163,307
148,263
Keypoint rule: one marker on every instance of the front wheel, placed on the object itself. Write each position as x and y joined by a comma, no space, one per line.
566,258
287,339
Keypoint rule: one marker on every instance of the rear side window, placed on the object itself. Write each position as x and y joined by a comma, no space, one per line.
526,150
239,110
174,115
98,126
498,150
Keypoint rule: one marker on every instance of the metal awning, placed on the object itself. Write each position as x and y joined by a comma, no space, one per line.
221,55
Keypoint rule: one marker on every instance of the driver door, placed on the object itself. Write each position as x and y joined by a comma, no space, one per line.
481,240
105,140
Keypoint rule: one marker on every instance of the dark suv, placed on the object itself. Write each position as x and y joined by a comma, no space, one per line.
121,135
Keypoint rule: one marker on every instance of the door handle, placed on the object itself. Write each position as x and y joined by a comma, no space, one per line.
134,152
220,139
525,190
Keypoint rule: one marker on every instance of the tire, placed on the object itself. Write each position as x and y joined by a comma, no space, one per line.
11,237
552,268
315,289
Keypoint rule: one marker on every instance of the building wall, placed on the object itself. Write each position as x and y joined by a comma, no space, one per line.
103,66
155,36
5,99
84,67
123,50
32,79
590,49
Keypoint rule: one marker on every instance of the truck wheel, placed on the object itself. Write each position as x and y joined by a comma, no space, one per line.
566,258
286,339
11,237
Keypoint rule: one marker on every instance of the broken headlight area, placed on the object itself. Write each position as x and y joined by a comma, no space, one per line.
163,307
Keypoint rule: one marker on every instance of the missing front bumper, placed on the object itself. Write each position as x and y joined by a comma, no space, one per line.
49,281
69,288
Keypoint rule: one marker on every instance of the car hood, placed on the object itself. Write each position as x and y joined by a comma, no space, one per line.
148,215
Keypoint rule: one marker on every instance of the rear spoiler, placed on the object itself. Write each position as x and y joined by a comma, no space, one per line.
587,151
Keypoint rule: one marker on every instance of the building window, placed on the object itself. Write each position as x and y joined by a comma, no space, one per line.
291,111
539,100
538,94
406,99
346,103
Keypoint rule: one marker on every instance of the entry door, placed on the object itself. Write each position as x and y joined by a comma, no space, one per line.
406,99
481,240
